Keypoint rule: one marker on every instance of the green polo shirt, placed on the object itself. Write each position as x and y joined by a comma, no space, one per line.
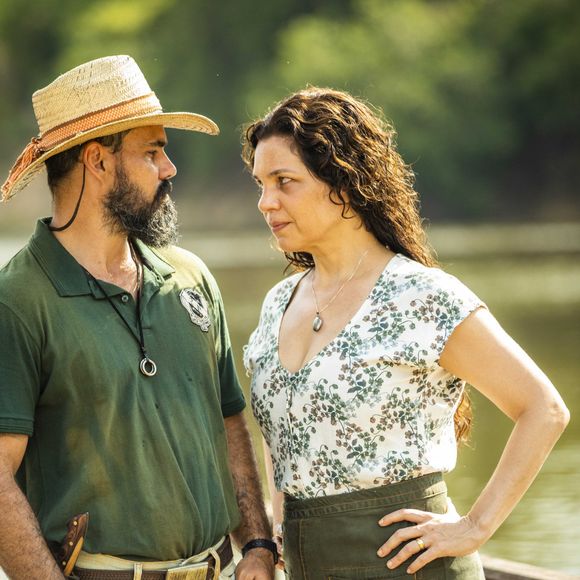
145,456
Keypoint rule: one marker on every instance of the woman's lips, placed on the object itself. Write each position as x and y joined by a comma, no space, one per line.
277,226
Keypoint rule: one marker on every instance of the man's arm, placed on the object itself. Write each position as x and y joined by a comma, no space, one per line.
258,563
24,554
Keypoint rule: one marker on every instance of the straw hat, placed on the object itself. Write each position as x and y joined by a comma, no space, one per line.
98,98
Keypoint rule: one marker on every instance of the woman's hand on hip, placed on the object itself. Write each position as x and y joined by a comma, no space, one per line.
433,536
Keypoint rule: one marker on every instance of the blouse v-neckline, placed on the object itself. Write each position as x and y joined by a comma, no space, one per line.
341,332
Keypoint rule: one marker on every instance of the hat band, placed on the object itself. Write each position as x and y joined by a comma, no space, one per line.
139,106
143,105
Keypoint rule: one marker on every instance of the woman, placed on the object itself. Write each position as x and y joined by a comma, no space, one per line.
360,359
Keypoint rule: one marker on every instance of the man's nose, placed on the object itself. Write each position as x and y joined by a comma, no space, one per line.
167,169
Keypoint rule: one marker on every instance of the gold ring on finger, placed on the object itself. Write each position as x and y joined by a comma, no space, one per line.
420,543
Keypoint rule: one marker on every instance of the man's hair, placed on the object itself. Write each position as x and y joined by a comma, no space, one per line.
60,165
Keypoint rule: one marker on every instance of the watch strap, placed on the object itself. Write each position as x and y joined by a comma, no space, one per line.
262,543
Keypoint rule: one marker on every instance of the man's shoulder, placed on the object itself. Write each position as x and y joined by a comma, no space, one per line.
181,259
20,271
22,283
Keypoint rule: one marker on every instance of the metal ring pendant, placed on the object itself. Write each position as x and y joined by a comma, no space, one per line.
148,367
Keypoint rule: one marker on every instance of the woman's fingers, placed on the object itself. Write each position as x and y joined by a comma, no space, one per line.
404,534
435,536
399,537
412,548
426,557
408,515
281,565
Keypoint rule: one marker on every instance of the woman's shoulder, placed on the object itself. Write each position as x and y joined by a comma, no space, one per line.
281,291
407,282
409,272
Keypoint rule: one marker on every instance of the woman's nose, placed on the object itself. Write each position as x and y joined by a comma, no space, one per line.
268,200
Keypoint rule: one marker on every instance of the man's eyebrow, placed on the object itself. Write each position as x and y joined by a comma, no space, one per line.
157,143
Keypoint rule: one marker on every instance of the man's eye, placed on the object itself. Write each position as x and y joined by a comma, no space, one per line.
284,180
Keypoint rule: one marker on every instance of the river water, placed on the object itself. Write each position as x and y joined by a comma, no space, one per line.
536,297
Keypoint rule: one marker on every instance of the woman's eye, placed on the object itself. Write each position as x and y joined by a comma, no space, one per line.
284,180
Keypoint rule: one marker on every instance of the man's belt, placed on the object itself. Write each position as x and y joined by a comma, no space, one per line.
204,570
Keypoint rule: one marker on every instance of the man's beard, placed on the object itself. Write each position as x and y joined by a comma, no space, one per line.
127,212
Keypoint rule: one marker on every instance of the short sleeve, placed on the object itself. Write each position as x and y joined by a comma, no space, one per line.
232,396
247,355
250,352
440,303
20,357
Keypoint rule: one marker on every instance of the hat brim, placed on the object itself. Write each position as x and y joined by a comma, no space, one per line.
183,121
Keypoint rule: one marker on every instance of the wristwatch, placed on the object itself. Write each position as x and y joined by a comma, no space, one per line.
262,543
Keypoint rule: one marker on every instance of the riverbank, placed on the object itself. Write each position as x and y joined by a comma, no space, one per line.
225,249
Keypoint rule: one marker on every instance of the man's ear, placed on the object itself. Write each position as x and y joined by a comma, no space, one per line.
98,160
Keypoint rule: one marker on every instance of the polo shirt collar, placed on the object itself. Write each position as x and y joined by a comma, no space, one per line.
153,260
66,274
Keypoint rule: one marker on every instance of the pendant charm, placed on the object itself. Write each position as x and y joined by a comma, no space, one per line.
317,323
148,367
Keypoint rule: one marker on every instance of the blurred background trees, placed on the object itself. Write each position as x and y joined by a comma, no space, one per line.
484,93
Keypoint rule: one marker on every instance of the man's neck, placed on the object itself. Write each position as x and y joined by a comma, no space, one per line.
105,255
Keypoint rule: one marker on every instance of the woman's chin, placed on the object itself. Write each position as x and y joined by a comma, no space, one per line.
286,245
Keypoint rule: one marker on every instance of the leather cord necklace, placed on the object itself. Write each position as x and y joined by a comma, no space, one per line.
76,210
147,366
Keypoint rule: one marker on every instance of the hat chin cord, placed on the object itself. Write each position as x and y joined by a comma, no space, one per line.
76,211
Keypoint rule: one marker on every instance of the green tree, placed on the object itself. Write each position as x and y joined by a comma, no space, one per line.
416,61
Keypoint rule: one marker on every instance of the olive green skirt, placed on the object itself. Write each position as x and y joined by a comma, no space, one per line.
337,536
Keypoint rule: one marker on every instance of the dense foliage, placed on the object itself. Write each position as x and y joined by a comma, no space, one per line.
484,93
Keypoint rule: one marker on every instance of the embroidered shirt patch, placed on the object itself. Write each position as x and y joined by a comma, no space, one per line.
196,306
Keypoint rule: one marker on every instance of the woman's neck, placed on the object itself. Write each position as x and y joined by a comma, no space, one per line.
334,264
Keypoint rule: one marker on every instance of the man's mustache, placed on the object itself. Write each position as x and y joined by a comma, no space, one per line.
165,188
163,191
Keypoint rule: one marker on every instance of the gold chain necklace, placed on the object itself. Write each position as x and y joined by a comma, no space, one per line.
318,322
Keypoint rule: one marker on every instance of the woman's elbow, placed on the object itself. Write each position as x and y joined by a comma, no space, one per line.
558,414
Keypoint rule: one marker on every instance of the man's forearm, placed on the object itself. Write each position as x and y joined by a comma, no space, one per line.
242,462
24,554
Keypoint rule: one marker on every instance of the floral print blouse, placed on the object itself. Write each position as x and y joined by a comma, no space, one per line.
373,407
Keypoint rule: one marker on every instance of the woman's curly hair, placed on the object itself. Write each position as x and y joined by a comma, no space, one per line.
351,148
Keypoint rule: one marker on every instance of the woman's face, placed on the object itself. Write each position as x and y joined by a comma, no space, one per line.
295,204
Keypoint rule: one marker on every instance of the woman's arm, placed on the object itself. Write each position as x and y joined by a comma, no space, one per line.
480,352
277,499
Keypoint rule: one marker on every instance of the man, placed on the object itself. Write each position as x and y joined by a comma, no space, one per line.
118,393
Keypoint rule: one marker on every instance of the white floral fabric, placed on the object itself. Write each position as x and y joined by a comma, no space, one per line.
373,407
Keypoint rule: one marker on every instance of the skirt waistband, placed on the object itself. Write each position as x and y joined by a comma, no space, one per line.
401,492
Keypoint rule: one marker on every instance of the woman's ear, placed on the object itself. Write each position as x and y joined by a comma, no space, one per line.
340,197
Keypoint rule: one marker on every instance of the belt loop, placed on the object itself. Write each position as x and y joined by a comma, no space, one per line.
218,565
137,571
